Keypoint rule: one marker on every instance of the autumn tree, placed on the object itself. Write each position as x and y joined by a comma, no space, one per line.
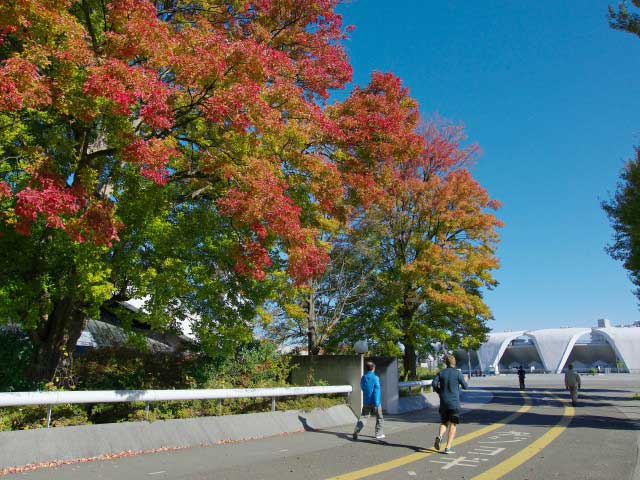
437,238
374,130
167,150
420,235
430,223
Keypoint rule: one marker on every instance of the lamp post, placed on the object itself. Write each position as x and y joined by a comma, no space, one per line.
361,347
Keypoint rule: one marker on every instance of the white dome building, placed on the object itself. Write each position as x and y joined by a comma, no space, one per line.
551,350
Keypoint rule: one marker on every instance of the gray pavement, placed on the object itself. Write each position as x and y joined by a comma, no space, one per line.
600,441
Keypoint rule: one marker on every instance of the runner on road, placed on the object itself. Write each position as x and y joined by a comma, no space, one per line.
447,384
573,384
371,399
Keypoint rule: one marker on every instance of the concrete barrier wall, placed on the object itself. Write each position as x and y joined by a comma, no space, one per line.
25,447
387,370
333,369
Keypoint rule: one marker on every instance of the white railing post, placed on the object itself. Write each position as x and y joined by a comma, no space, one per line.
273,404
48,416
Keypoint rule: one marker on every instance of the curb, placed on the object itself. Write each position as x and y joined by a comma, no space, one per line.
30,449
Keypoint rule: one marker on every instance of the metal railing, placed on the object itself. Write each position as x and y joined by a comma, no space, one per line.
415,383
15,399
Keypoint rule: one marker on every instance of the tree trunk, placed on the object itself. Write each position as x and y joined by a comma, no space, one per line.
410,360
406,313
56,340
312,333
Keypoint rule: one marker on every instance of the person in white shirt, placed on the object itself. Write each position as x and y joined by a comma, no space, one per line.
572,383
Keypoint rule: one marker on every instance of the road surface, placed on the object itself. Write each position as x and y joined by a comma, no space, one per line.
533,435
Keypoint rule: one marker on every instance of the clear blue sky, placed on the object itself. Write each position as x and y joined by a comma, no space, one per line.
552,95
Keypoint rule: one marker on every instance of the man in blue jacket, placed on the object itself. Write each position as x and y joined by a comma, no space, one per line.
370,384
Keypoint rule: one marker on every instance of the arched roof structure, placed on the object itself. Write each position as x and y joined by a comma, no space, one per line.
555,344
626,343
491,351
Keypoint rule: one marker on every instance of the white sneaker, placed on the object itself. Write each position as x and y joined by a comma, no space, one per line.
380,436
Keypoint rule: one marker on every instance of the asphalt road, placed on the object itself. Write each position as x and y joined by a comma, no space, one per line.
533,435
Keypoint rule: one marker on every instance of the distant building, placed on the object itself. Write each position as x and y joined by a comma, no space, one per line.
551,350
107,331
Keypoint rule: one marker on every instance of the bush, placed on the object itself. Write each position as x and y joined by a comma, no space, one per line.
426,373
16,352
256,364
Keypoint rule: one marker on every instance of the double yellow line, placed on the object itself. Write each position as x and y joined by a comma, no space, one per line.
399,462
532,449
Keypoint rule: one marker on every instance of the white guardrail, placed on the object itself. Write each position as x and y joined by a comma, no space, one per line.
415,383
15,399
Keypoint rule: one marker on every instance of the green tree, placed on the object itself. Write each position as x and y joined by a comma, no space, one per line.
623,210
621,19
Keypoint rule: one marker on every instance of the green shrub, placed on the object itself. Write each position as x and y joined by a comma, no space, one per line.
29,417
256,364
426,373
16,352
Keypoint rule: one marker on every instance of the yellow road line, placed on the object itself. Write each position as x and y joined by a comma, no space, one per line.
531,450
414,457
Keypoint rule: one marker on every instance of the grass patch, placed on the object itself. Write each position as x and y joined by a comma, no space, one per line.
426,373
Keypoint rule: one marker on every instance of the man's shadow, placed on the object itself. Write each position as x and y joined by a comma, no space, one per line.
349,437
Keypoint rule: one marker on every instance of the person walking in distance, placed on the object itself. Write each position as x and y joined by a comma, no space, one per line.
447,384
371,399
521,375
572,383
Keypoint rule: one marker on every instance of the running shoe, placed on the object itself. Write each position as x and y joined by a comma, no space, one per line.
437,443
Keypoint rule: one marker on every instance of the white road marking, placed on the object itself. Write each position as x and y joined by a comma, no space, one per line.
157,473
460,462
491,451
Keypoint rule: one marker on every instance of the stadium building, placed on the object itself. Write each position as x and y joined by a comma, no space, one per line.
604,348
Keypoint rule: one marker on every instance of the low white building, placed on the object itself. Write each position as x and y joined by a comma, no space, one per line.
551,350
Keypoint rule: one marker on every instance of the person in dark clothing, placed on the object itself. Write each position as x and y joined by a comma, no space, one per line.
447,384
521,375
371,399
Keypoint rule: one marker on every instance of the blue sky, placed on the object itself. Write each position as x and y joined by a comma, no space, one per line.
551,94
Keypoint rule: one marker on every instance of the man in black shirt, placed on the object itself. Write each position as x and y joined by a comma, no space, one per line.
447,384
521,375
